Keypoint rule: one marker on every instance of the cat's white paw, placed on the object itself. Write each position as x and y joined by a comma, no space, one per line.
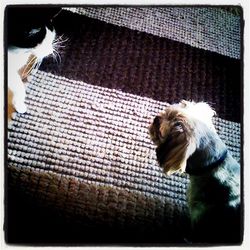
29,78
21,108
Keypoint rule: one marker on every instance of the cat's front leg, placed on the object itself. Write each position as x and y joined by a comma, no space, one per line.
18,102
18,89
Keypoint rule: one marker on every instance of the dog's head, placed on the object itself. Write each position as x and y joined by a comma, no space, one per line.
175,133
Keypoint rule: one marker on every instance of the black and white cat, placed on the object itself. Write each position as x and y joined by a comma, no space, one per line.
30,38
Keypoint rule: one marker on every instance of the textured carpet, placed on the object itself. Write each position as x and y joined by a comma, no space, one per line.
81,166
146,65
206,28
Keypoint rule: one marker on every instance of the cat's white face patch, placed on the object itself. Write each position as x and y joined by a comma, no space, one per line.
45,48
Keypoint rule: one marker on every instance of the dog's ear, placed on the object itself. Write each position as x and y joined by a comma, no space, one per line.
177,147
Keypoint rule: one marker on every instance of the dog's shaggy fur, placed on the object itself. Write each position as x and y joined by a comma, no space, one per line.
187,141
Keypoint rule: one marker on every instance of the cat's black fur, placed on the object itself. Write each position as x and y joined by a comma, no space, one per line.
26,26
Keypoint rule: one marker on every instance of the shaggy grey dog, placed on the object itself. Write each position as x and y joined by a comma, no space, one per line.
187,141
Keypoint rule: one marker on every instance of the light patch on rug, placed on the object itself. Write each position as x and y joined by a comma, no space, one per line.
96,134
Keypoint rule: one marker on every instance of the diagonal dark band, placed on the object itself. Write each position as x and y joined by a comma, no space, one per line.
146,65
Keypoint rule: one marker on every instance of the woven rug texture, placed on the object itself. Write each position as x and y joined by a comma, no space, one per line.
211,29
81,167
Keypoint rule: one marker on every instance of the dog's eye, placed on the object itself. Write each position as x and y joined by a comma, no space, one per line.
178,124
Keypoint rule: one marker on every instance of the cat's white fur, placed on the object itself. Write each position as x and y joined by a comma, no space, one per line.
17,58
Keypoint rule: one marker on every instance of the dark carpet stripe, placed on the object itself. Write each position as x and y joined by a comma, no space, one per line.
139,63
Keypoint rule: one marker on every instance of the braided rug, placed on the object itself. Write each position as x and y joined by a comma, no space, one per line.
81,166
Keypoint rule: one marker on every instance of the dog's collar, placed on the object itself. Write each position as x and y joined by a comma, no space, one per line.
207,168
